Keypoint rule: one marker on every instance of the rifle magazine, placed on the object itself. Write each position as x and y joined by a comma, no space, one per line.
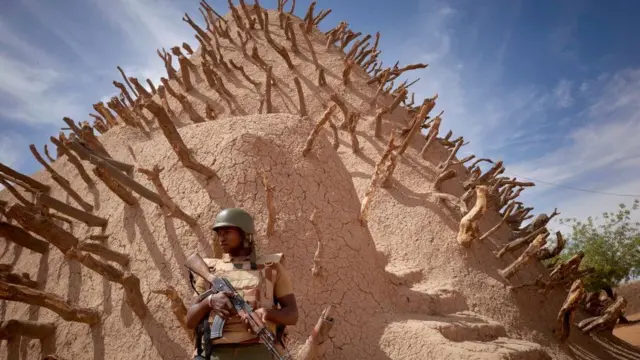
216,327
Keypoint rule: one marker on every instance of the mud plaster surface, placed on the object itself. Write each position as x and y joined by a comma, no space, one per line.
402,287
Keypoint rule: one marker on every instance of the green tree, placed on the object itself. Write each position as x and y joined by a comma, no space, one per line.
610,246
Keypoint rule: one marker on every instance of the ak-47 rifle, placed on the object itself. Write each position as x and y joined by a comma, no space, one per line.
196,264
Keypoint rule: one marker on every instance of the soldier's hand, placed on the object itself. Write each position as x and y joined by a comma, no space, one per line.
221,305
260,313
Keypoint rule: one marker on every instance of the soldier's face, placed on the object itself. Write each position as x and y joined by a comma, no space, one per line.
230,239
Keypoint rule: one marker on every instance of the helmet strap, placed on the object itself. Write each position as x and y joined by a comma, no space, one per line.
248,240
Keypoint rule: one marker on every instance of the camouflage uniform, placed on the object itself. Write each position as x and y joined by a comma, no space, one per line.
259,286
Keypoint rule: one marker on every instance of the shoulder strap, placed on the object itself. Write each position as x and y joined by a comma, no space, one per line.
270,259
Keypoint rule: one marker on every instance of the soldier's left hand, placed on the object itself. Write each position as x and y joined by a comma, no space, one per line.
262,313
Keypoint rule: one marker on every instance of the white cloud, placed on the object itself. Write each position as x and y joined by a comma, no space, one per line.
593,149
608,141
562,94
32,94
593,204
476,104
149,25
10,145
602,156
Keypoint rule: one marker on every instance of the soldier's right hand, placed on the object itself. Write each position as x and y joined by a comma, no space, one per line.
221,305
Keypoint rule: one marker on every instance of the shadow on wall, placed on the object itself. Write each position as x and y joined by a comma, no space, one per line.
98,341
134,217
167,348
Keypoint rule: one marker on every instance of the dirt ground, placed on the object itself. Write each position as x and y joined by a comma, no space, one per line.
401,285
630,333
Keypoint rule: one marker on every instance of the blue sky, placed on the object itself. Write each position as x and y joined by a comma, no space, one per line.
551,88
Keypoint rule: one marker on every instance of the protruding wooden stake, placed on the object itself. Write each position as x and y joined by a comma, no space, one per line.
524,258
187,48
141,90
43,226
445,165
126,80
308,18
186,105
186,75
546,253
55,303
444,176
520,242
427,105
172,208
319,335
130,282
13,191
279,48
348,65
431,136
45,200
336,137
13,278
345,111
309,44
244,74
376,179
271,218
316,130
292,33
200,32
124,91
123,193
129,182
104,252
73,160
469,229
209,112
64,183
171,133
322,80
24,178
566,313
256,57
22,237
378,121
86,134
46,153
353,122
303,107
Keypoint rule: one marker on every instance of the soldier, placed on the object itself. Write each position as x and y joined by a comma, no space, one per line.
261,280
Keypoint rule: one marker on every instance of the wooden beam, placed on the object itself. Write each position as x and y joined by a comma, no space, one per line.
22,237
85,217
24,178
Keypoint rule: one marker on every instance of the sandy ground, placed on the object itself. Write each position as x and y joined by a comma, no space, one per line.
401,285
630,333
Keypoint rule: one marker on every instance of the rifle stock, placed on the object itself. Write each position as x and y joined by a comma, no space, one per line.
196,264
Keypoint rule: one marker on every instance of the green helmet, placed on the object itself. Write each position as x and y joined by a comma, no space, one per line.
235,217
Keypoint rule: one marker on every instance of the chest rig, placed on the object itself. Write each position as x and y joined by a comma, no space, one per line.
253,281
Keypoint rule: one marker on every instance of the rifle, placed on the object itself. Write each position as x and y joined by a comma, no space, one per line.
198,266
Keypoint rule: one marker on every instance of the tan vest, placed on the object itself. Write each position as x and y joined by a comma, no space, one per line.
255,286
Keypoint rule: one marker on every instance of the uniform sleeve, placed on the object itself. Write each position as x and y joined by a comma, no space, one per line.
283,285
